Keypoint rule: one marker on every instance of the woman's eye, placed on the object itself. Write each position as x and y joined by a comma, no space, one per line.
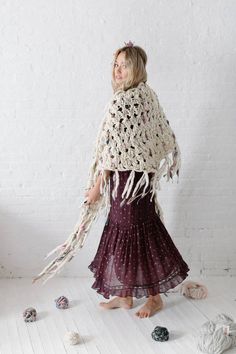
123,65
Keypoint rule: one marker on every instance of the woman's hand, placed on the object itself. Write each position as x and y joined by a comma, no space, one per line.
93,195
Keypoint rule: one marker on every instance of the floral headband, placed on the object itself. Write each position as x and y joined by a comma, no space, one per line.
129,44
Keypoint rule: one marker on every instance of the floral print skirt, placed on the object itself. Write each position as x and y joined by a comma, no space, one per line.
136,255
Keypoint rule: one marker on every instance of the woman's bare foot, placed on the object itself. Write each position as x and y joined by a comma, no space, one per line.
124,302
153,304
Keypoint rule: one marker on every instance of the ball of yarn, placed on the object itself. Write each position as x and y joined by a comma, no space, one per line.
193,290
30,314
217,335
72,337
62,302
160,334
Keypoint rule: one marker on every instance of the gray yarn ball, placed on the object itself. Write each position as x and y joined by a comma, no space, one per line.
160,334
62,302
30,314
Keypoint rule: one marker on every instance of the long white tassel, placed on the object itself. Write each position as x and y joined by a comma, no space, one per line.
154,182
138,185
117,181
147,183
103,182
107,200
174,164
104,192
129,184
58,248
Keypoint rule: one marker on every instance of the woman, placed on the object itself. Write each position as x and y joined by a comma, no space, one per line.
136,256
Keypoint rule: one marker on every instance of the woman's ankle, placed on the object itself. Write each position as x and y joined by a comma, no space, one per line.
156,297
126,298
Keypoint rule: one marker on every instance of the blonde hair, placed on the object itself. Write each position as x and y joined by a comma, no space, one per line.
136,59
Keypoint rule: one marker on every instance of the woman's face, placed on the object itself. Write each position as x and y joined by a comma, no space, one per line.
120,68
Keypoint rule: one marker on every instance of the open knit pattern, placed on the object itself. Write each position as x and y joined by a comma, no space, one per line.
135,135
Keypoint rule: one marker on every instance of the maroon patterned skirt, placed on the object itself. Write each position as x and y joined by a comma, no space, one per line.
136,255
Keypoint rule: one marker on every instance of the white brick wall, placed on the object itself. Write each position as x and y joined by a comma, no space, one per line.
55,63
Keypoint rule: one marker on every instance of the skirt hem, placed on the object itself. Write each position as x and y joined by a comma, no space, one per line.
139,291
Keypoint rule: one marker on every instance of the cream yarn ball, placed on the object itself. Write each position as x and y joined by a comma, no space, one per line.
72,337
217,335
193,290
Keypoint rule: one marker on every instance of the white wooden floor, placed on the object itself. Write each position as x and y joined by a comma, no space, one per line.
104,331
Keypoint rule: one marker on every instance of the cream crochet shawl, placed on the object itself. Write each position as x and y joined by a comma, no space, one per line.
134,135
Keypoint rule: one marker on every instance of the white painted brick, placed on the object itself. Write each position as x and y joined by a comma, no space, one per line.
55,81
